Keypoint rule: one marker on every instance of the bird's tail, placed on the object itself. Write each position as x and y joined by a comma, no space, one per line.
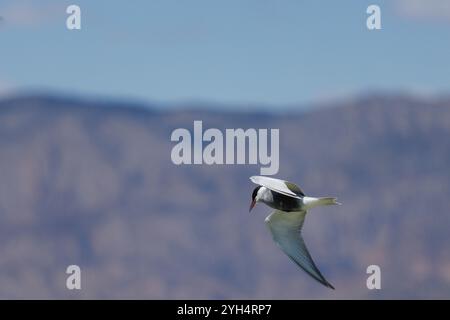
328,201
311,202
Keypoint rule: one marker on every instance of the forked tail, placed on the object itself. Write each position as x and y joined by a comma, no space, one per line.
328,201
311,202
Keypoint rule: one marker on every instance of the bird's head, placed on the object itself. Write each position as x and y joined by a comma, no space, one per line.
255,198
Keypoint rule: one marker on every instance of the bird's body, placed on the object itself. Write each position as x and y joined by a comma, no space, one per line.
286,222
280,201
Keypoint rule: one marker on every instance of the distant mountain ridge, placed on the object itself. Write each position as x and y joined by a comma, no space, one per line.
58,99
91,183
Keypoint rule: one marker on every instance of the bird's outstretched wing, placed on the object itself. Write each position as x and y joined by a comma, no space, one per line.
286,232
285,187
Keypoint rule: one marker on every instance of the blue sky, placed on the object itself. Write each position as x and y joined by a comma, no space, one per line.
244,52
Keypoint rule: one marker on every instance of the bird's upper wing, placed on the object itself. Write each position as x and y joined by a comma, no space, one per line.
285,187
286,232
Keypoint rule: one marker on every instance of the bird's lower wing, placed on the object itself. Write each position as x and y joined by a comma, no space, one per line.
286,232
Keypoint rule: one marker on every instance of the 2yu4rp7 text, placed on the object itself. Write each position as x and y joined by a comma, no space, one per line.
225,309
242,309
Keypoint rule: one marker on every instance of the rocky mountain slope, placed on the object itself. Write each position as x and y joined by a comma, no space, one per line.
92,184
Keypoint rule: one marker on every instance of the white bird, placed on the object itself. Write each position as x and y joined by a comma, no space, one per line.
286,222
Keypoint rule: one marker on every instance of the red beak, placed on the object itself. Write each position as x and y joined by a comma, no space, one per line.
252,205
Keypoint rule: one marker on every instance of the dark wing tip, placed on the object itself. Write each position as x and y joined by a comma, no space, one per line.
325,282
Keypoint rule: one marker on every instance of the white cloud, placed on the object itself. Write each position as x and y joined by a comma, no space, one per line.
27,13
429,10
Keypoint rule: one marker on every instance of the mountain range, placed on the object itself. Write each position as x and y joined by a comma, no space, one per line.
91,183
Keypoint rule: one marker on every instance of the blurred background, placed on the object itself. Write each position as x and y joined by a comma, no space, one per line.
86,176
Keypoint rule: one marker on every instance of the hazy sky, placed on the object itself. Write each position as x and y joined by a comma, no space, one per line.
233,51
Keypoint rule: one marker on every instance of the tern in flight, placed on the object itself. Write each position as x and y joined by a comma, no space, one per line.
285,223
